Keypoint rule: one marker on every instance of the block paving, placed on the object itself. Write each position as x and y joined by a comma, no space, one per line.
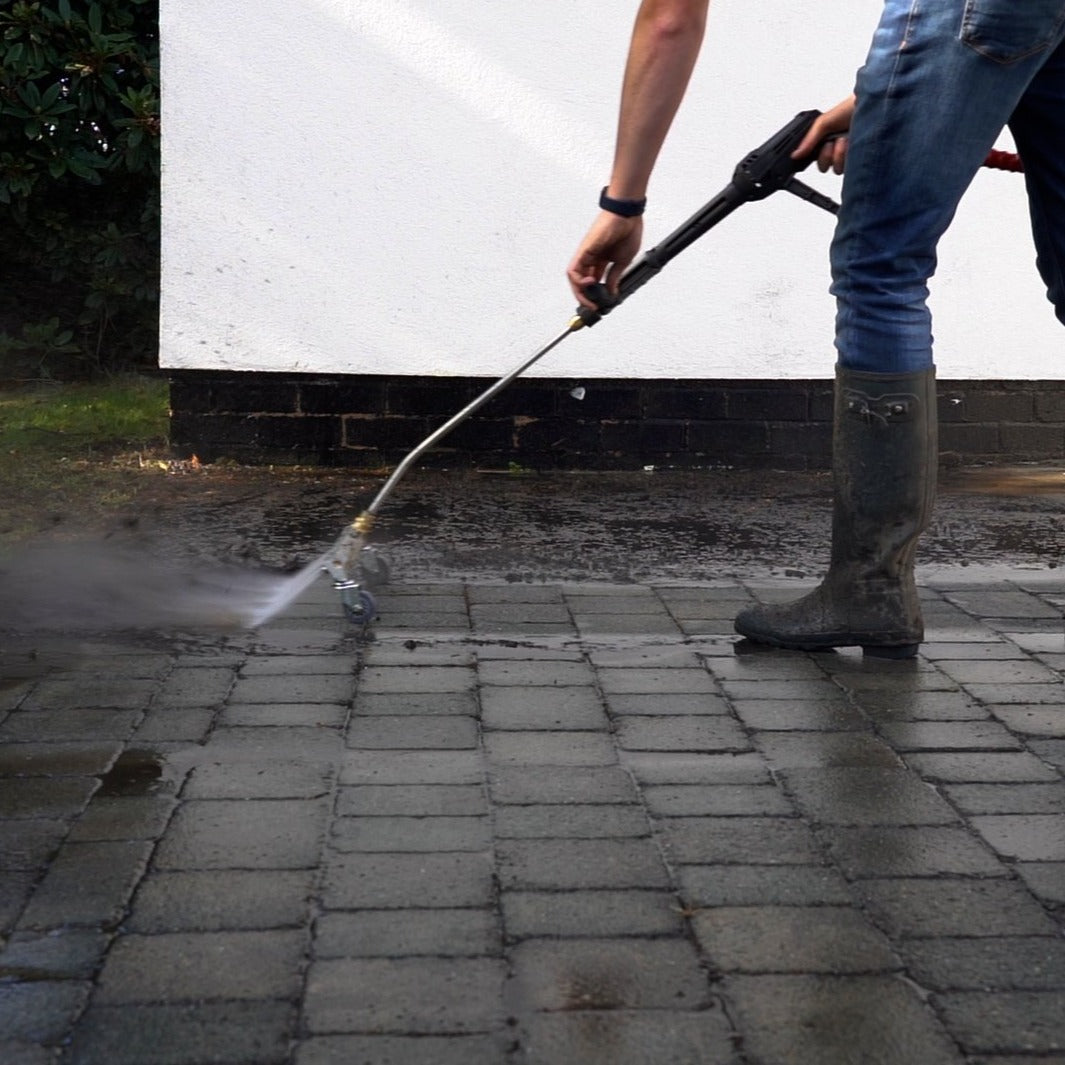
538,824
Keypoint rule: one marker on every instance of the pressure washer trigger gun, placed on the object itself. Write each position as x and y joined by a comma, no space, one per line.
770,167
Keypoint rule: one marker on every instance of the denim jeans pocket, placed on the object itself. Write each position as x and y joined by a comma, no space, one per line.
1008,30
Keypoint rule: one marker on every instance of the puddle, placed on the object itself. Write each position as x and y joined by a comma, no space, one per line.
135,772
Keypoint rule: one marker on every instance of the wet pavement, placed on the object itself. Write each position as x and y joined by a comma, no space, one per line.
550,811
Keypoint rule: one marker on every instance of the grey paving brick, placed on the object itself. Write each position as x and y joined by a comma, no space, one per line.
15,889
163,724
68,724
819,690
253,834
591,913
1001,603
1007,798
487,592
264,715
1046,880
433,704
437,679
792,939
669,767
1032,720
762,885
991,649
782,715
86,693
129,817
550,748
16,1052
490,615
759,666
1000,963
274,744
1017,671
405,995
1020,1021
258,780
87,884
409,932
681,733
592,821
579,864
927,908
405,1049
652,681
593,625
223,1033
997,766
739,840
926,850
83,759
515,784
28,843
795,750
58,955
561,708
1024,837
293,688
717,800
411,767
949,735
41,1011
1050,751
538,673
850,796
849,1020
198,966
885,706
406,733
407,881
289,665
646,704
608,974
629,1037
411,834
229,899
430,800
1019,694
196,687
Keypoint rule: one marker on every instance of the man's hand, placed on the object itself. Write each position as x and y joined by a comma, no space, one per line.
604,254
831,129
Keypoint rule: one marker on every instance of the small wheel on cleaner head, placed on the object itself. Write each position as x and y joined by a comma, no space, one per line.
363,610
374,571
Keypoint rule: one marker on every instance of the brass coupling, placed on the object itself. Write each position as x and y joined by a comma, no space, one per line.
364,523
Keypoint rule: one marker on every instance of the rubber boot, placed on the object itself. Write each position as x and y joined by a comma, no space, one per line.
884,466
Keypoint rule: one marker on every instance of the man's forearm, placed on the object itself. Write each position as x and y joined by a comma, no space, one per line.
665,45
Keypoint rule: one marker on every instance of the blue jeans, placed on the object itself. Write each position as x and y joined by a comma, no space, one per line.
942,79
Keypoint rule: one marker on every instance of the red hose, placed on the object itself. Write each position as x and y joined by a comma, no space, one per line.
997,160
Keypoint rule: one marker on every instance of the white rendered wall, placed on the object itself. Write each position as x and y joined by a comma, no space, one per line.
396,186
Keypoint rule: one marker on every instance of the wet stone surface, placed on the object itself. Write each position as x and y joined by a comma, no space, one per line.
545,814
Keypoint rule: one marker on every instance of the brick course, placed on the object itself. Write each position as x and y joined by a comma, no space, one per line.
372,421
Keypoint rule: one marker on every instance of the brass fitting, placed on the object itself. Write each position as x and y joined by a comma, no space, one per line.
364,523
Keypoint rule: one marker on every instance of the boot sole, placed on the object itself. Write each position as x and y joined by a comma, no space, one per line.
830,643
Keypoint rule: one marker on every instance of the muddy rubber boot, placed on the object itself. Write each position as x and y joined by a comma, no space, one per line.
884,449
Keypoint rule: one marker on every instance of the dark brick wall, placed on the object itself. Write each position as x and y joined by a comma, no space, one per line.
373,422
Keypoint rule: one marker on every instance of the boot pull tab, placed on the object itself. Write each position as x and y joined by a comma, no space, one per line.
887,410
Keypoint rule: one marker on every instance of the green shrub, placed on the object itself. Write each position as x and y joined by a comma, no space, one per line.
79,186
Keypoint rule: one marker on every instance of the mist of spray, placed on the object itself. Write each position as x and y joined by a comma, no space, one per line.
99,586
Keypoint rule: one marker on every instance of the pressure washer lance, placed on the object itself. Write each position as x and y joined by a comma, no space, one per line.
354,567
